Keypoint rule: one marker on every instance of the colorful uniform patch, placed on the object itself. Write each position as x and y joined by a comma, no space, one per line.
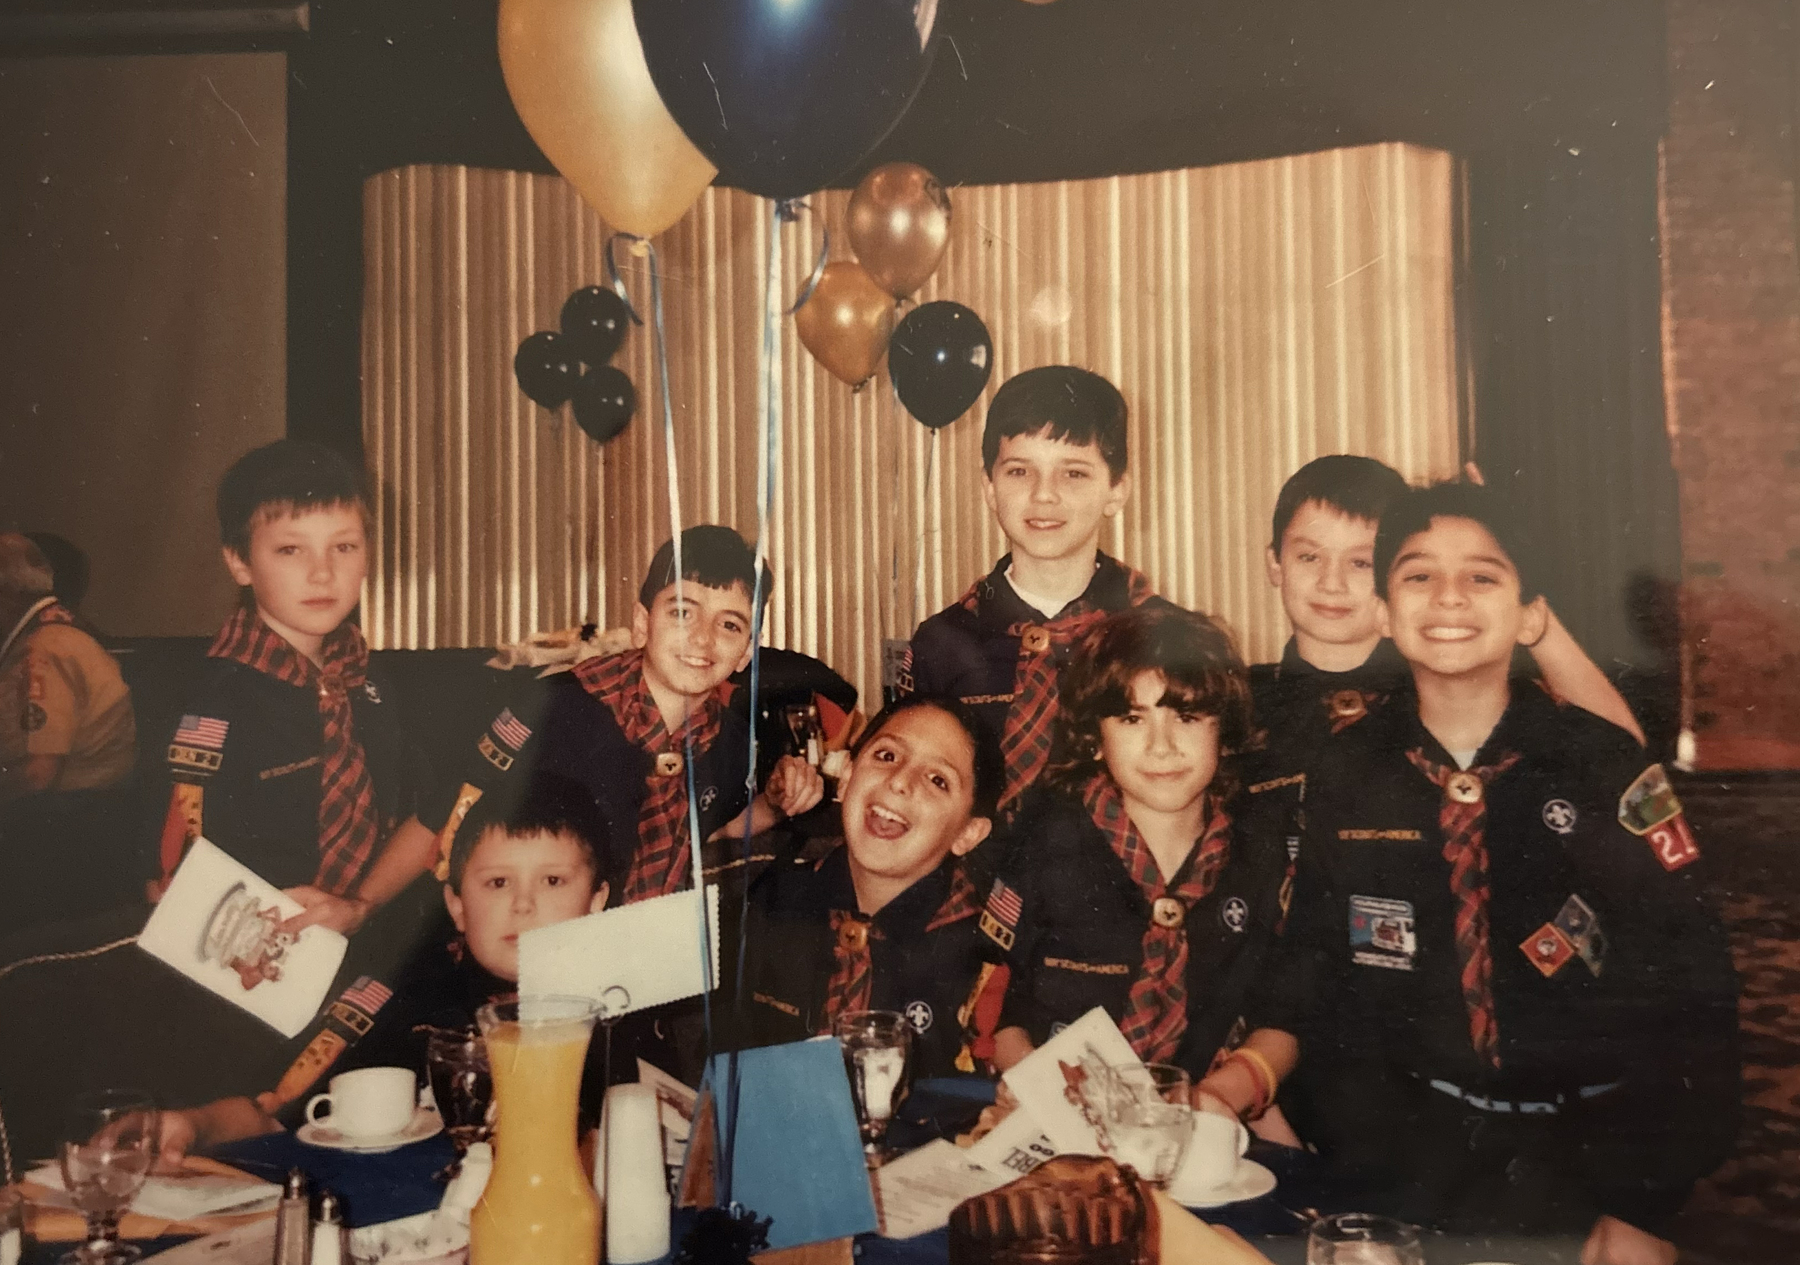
1000,920
1649,809
199,745
1381,933
1548,949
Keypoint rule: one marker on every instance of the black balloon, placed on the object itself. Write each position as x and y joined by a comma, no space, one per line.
604,401
940,357
547,369
593,323
784,95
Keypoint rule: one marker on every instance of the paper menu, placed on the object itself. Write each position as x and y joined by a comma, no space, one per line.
631,958
916,1193
1057,1084
174,1197
218,924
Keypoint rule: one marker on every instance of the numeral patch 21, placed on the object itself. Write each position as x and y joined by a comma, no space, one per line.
1673,843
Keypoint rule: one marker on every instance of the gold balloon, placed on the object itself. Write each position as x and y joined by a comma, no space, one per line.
899,225
577,76
846,321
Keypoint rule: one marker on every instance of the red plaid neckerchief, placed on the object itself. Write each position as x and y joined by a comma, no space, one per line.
1155,1015
853,971
1025,738
349,823
1462,819
661,860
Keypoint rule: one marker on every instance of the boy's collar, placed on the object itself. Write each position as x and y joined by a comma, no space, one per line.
1384,662
907,914
1528,707
1109,589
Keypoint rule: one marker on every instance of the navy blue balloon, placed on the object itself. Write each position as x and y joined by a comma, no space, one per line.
940,357
604,401
783,96
547,369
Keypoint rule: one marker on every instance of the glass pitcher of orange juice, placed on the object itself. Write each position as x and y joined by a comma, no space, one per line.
539,1205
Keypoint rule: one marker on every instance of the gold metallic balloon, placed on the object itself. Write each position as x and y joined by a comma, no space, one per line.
899,225
846,321
577,77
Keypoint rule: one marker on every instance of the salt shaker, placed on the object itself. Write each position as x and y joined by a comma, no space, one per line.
329,1238
293,1222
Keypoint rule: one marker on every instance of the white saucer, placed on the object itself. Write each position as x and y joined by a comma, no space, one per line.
1250,1181
426,1123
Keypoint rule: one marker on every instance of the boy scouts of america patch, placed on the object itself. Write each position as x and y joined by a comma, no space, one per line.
1000,919
503,740
198,745
1649,809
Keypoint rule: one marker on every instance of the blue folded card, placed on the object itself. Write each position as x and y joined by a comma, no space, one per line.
797,1156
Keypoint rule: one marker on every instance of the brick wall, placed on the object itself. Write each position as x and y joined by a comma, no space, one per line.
1732,345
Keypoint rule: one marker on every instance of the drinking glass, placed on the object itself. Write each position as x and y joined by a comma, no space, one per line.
1362,1238
115,1136
1148,1119
456,1064
875,1045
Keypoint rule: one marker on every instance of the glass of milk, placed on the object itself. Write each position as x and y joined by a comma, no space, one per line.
875,1045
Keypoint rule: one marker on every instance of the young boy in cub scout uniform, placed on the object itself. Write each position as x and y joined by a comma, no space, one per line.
1501,952
886,920
1053,472
289,754
1136,890
524,858
626,727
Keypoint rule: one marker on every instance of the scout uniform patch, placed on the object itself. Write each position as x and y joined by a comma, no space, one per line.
1649,809
1000,920
1548,949
199,745
195,753
347,1021
1235,914
1559,815
1575,932
1381,933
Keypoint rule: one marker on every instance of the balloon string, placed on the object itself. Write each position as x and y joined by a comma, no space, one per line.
925,529
769,371
812,278
618,281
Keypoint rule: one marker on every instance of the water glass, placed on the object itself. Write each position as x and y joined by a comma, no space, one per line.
456,1064
114,1136
1148,1119
1362,1238
875,1045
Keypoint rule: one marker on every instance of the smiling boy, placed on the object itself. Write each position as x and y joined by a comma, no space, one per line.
289,754
625,726
1054,471
887,919
1501,952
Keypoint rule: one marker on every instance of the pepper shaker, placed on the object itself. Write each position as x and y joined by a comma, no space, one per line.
293,1222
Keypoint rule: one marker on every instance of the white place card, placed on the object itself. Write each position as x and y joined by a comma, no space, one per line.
219,925
1061,1083
626,959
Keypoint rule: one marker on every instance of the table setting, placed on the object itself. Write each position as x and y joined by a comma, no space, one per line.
383,1171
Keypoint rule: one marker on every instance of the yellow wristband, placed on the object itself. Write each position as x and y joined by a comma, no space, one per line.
1262,1072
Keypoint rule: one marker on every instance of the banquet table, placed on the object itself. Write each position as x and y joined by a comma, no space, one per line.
378,1188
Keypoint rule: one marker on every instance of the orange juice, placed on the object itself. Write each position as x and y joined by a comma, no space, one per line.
539,1207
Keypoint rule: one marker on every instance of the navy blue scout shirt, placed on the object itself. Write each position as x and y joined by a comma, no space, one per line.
1608,968
1070,921
558,726
969,654
261,802
925,975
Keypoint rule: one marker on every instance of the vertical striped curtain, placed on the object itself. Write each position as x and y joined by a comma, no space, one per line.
1254,315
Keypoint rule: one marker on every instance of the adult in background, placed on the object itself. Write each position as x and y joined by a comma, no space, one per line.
68,740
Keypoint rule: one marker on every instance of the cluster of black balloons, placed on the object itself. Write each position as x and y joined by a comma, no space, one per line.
940,357
548,365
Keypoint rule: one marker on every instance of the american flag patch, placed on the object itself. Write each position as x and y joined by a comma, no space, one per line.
1004,904
509,729
367,994
202,731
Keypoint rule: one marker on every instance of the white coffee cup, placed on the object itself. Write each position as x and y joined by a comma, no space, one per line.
371,1102
1212,1153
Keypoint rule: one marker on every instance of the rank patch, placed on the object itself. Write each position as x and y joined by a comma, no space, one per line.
1381,933
1576,919
1548,949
